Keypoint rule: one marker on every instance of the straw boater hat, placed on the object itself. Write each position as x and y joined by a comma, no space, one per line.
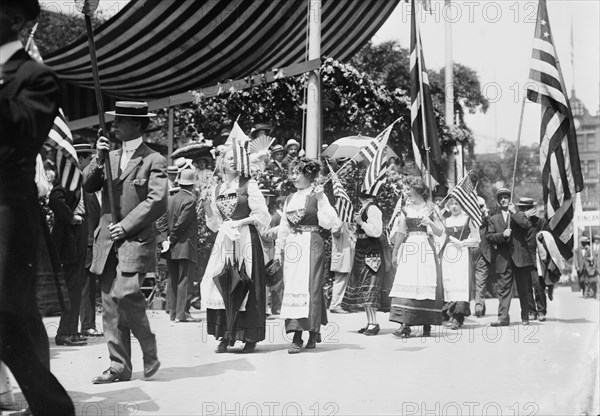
83,148
172,169
131,109
276,149
526,202
502,191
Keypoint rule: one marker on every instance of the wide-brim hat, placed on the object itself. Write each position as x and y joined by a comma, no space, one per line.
596,237
501,192
277,148
187,177
526,202
584,239
258,127
267,192
174,190
83,148
131,109
292,142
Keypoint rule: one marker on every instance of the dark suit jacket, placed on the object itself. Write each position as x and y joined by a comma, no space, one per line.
70,239
486,248
92,213
141,194
537,225
29,101
515,247
183,227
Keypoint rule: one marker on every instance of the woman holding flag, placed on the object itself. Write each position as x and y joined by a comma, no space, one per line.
461,234
235,209
305,212
417,297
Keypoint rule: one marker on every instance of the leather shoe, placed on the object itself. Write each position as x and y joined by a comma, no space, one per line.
91,332
500,323
541,317
151,368
70,340
532,316
249,347
295,348
109,376
371,331
222,347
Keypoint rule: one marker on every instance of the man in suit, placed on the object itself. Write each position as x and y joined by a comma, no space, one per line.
508,231
87,310
182,243
536,293
29,101
124,252
483,257
70,239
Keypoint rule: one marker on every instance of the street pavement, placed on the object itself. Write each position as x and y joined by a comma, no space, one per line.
546,368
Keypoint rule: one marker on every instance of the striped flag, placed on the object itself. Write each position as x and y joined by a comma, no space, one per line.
343,203
60,137
67,163
559,156
374,152
464,193
238,139
423,126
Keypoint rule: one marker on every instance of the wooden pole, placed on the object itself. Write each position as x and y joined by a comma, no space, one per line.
112,202
313,104
170,133
425,139
512,188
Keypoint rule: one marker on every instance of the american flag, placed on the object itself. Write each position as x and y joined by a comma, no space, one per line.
238,139
60,137
423,126
343,203
559,156
67,163
374,152
464,194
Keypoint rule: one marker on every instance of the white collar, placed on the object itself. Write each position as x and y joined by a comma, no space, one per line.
8,50
132,145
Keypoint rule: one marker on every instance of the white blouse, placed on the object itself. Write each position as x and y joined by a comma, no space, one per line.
474,237
256,201
373,226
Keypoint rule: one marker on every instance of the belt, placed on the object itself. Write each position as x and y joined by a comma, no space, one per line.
363,236
418,233
305,228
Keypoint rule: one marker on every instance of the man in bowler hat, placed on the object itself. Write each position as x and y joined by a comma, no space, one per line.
29,101
124,252
508,231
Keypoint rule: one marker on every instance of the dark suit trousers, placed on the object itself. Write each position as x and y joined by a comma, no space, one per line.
74,277
124,313
87,309
482,268
521,276
536,296
181,287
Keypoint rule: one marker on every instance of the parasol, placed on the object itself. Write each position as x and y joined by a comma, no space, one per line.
193,151
348,147
234,285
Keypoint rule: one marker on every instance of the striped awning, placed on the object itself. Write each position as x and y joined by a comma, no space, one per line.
158,48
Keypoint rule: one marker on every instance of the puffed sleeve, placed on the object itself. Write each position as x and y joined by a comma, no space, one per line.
326,213
258,207
214,222
373,226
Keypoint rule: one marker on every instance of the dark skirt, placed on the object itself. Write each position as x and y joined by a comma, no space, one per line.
420,312
249,325
317,311
364,285
456,310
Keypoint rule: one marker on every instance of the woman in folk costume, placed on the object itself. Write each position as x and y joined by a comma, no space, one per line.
305,212
417,297
364,285
236,210
461,234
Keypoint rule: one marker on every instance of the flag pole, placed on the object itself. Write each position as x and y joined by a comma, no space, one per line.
87,11
31,34
425,139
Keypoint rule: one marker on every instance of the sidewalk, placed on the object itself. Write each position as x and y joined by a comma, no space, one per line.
541,369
